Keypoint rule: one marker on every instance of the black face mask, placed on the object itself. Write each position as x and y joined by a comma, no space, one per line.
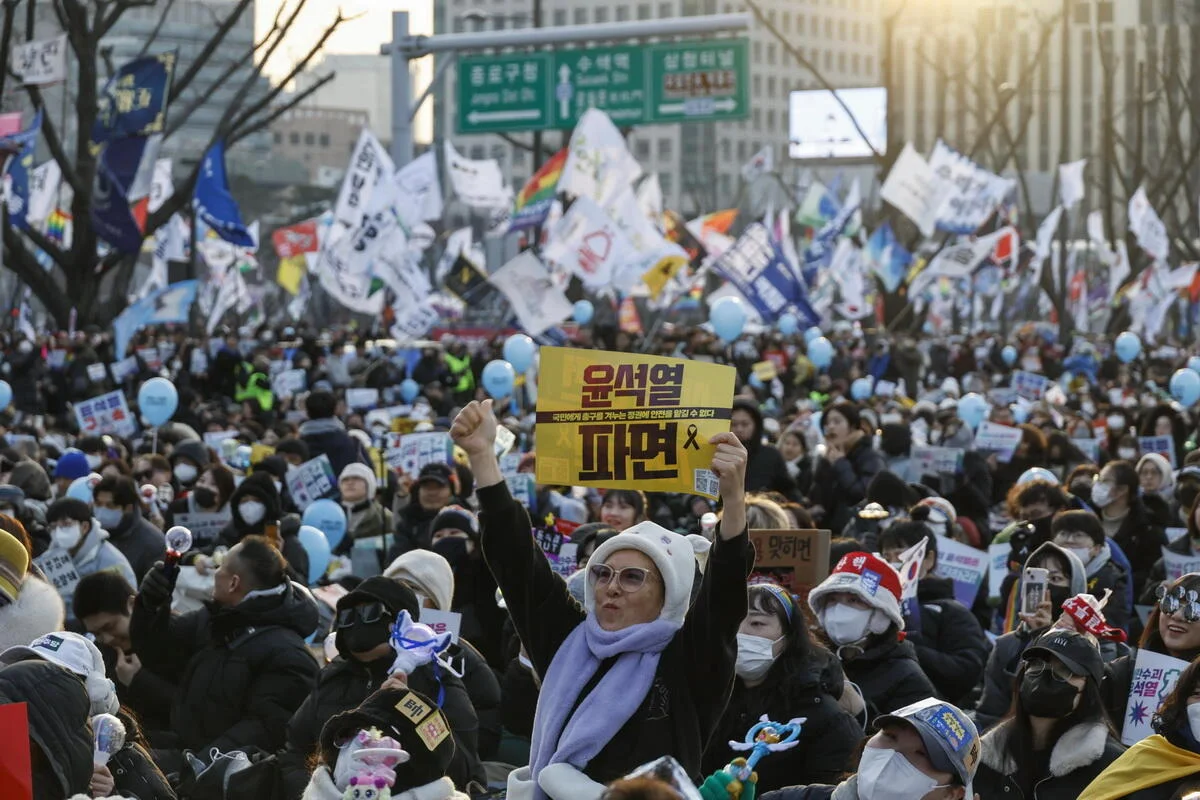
363,636
1058,596
454,550
205,497
1046,696
1186,498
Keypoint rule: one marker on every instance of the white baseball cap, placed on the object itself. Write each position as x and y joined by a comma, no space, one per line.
76,653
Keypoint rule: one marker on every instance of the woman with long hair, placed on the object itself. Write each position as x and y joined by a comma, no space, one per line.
1127,519
1057,737
845,470
783,673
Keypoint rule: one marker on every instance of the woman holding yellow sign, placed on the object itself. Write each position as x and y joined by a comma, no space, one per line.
643,671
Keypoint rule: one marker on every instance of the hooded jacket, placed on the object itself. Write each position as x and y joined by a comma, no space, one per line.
887,673
261,486
29,477
951,647
59,724
1079,754
139,541
766,471
1103,572
328,437
241,670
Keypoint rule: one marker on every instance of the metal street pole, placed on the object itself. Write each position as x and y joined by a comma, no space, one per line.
402,145
537,135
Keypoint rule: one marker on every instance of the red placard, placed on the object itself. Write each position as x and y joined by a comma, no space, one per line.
16,774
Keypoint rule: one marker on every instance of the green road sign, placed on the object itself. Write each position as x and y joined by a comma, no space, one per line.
695,81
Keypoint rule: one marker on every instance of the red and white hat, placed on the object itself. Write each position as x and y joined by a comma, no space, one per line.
866,576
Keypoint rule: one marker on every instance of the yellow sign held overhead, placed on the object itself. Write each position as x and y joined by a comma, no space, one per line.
620,420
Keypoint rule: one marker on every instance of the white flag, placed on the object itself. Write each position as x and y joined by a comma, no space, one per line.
1046,231
1070,182
598,163
914,189
588,243
650,198
536,301
1119,269
42,62
369,164
43,189
479,184
459,243
162,184
958,260
1095,229
418,190
1149,230
761,163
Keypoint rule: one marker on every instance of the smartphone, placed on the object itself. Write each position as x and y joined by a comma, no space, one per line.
1033,589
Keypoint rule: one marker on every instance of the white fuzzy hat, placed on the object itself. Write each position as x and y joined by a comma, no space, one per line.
673,554
427,572
867,576
357,470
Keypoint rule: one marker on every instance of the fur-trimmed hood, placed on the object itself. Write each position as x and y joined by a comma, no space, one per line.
37,611
1079,747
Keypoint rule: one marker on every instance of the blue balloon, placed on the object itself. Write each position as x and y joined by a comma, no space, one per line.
728,318
498,378
582,312
788,324
317,547
861,389
755,381
157,400
1194,363
5,395
812,333
329,518
1020,413
518,351
1128,346
81,488
409,389
820,352
1185,387
972,409
1009,354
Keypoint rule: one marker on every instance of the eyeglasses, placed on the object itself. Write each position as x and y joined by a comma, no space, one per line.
1073,538
1179,598
630,579
367,614
1060,671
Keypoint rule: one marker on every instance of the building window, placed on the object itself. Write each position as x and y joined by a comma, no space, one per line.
560,17
725,187
478,152
757,85
581,16
771,86
278,137
757,49
828,59
518,157
799,23
726,149
828,28
741,150
758,118
622,13
841,62
1082,13
854,31
869,65
498,151
664,11
771,53
841,30
643,11
854,63
787,22
664,149
642,148
770,119
664,181
323,140
294,138
1104,12
601,14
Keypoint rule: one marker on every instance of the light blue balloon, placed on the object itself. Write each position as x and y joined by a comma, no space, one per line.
1009,354
518,351
81,488
1020,414
409,389
812,333
1128,346
820,352
329,518
1194,364
498,377
972,409
861,389
1185,387
157,400
5,395
1037,474
582,312
319,554
728,318
755,381
788,324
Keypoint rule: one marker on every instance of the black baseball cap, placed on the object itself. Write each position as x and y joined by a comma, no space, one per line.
437,473
1078,652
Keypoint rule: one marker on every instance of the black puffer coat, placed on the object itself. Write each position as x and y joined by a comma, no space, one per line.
242,670
139,541
951,647
887,673
58,725
766,471
1080,754
840,485
136,775
261,486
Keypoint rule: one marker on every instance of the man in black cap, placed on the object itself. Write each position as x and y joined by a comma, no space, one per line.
435,490
363,625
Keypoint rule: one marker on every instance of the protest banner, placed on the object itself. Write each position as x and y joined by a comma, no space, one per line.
963,564
205,527
16,768
999,439
362,399
795,559
1163,445
412,451
108,413
1154,676
765,371
619,420
41,62
910,575
1176,565
914,189
997,559
289,382
311,481
560,552
523,488
151,357
59,569
937,460
1029,385
124,369
96,372
442,622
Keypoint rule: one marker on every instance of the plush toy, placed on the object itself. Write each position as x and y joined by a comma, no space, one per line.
415,644
366,766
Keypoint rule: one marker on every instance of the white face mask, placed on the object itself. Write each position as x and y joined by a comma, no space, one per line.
846,624
1116,423
888,775
1083,553
252,512
185,473
1101,495
1193,712
1126,453
755,655
66,536
93,462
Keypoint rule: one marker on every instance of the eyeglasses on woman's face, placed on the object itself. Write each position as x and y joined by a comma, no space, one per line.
1061,672
1172,601
630,579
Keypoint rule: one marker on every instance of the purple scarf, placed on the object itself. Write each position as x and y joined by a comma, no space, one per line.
608,706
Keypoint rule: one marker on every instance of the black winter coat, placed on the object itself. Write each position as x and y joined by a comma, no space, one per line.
483,689
137,776
1078,756
139,541
888,675
695,671
412,529
328,437
343,685
242,670
766,471
262,487
58,724
828,739
999,675
1141,537
951,646
840,485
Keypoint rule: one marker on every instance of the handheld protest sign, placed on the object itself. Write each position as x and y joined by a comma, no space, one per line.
797,560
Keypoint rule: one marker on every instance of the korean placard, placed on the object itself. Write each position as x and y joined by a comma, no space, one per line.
311,481
1154,676
622,420
409,452
108,413
963,564
1029,385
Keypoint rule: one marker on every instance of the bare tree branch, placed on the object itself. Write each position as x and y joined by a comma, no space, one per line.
257,125
162,18
181,83
21,261
178,120
119,8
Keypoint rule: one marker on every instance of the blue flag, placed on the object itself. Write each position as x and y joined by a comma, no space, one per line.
134,101
170,304
886,257
759,270
213,202
22,146
122,191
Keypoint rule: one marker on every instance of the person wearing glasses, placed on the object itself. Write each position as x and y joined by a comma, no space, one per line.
362,627
645,666
1057,738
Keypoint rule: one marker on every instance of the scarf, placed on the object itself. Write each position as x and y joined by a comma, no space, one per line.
1153,761
608,706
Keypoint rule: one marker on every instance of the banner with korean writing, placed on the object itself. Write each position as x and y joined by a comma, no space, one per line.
205,527
1176,565
936,460
1029,385
134,100
965,565
410,452
1002,440
311,481
759,270
621,420
108,413
795,559
1163,445
1154,676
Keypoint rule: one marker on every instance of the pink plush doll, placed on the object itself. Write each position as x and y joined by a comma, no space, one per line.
371,762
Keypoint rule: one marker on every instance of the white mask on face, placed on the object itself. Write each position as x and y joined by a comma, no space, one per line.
846,624
252,512
1101,495
1126,453
93,462
888,775
185,473
1193,712
66,536
755,655
1083,553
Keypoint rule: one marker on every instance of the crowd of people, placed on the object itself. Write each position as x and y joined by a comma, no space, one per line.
253,665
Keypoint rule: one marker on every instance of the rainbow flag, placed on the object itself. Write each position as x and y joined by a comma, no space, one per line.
57,224
533,201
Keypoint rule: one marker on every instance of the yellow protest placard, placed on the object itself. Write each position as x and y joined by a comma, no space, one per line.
766,371
627,421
